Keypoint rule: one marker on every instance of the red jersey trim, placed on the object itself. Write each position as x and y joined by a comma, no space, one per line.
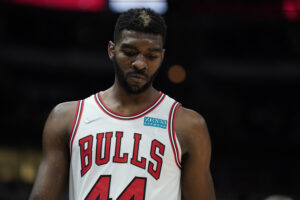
139,114
77,118
74,121
172,136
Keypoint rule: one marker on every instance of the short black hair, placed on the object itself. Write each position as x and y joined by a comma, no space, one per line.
142,20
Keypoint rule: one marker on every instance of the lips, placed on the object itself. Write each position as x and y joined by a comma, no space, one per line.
137,77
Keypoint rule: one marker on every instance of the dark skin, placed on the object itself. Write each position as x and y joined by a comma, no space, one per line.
133,51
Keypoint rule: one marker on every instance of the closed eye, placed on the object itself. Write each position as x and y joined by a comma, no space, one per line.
129,53
151,57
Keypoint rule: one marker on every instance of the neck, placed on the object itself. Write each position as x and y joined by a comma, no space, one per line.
120,95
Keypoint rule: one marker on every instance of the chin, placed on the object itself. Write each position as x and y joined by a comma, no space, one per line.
136,90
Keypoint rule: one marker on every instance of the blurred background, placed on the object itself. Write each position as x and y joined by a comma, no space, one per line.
237,62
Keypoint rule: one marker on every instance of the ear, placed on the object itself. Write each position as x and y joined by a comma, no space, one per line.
163,54
111,50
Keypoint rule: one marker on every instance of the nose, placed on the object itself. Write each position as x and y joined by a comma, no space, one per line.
139,63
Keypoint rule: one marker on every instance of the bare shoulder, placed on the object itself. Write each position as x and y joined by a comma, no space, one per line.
64,110
190,117
53,171
191,128
194,139
60,120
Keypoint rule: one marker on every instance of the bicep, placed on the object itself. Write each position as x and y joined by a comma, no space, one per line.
196,178
51,178
53,171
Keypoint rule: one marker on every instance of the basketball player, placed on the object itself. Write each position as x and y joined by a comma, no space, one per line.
131,141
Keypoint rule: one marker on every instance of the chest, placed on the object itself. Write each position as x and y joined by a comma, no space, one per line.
142,144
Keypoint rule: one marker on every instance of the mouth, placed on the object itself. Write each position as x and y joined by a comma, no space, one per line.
137,78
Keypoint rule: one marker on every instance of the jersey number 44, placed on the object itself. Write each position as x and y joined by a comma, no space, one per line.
134,190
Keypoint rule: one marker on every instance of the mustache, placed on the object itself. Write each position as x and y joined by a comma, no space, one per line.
137,72
132,72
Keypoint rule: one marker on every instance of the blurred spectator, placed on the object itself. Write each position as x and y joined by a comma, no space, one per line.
278,197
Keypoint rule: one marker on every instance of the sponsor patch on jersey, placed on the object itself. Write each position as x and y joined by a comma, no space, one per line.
151,121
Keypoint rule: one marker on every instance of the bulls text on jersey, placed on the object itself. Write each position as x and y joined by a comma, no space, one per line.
137,160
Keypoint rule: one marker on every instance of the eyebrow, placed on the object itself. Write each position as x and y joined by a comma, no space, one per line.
129,46
156,49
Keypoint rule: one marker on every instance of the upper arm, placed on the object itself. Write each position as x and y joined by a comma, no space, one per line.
53,171
192,132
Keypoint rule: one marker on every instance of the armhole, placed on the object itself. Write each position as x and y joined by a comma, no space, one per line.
75,125
172,134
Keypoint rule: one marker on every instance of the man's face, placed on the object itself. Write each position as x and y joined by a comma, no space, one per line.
136,58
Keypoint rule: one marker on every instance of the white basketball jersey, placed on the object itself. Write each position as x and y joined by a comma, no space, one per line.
124,157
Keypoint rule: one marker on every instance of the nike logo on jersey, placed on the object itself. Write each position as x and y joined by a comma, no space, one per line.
155,122
89,120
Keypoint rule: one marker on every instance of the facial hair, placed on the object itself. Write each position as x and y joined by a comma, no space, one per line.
121,77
